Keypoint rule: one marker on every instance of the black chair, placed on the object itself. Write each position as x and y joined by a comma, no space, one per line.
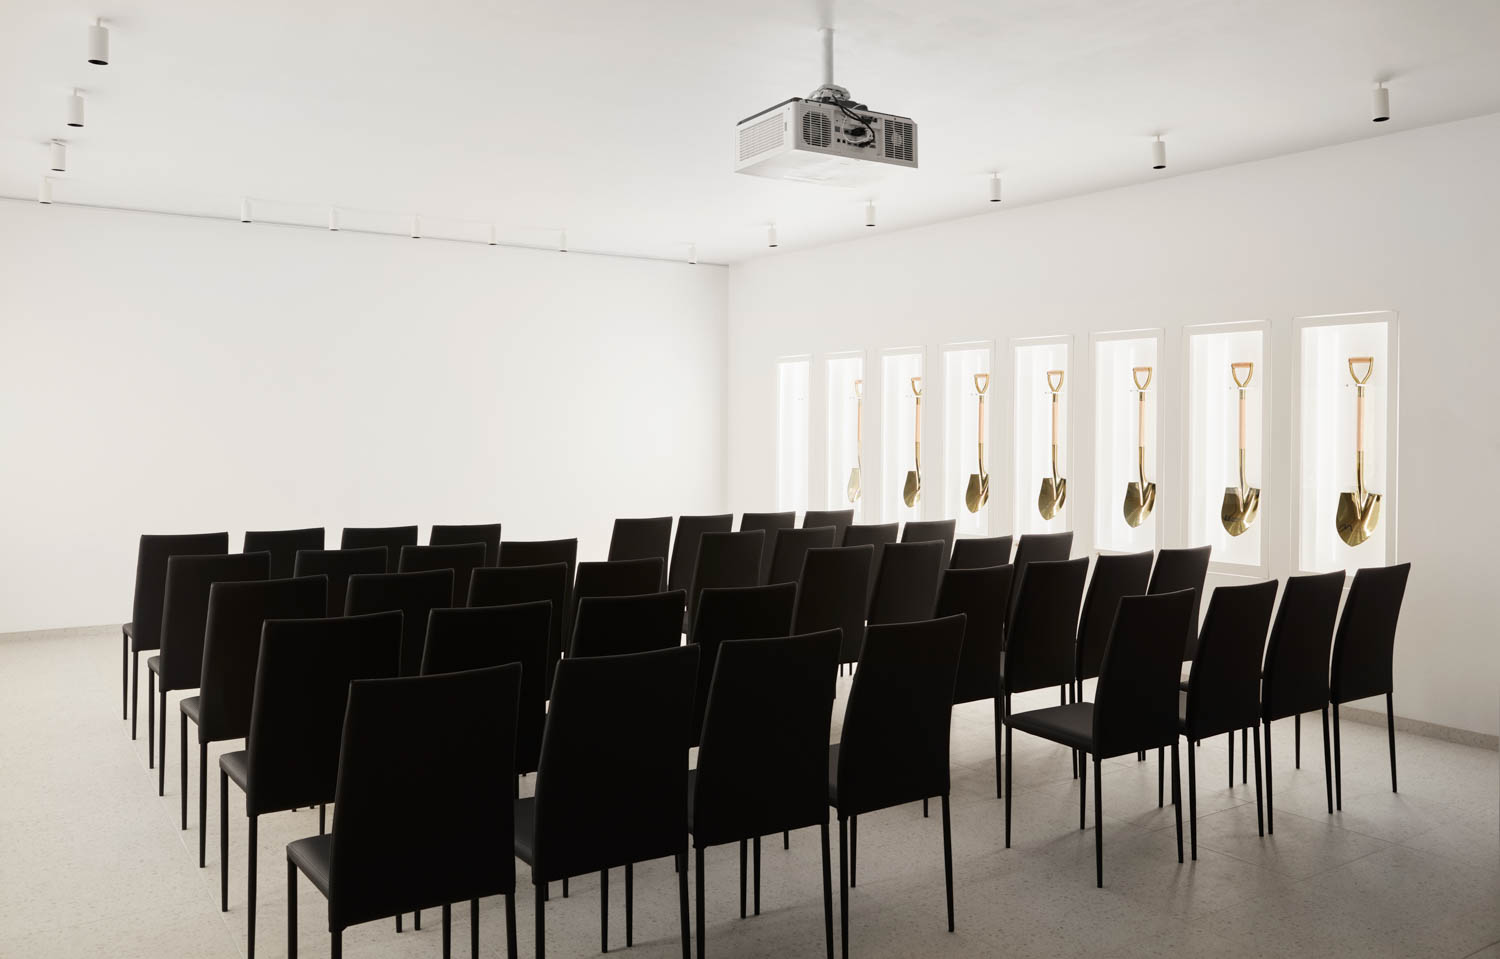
539,552
788,550
1295,676
642,538
1116,575
771,524
1178,569
283,545
744,612
414,594
980,552
1223,694
922,531
479,637
338,565
690,530
143,632
231,646
461,558
906,585
179,663
726,559
619,625
513,585
878,535
839,519
831,595
393,538
612,786
1364,650
894,744
400,763
1034,548
1134,707
980,595
626,577
763,762
486,533
291,753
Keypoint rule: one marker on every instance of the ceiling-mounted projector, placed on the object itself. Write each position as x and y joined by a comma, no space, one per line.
825,138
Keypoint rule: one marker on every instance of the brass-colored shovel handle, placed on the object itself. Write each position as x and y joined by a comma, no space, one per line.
1369,362
981,383
1054,381
1135,374
1234,371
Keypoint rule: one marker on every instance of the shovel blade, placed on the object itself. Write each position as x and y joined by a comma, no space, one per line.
1138,502
1237,515
854,488
911,492
1052,497
1356,521
975,493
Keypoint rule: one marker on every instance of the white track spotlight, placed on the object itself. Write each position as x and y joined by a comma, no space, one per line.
333,219
1158,155
994,188
869,213
693,253
771,236
416,228
244,209
99,43
494,240
45,194
75,109
59,157
562,241
1380,103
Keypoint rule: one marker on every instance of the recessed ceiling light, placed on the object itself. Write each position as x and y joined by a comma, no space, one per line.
1380,103
1158,155
75,109
99,43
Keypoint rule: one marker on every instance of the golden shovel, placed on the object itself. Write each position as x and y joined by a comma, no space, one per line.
1054,489
978,491
1140,497
1359,511
911,493
859,440
1241,503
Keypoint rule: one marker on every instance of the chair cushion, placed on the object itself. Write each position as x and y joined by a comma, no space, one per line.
833,775
526,830
154,664
692,795
192,707
237,766
1182,708
1071,725
129,630
312,856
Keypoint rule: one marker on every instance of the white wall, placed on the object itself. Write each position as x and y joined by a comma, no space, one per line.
1407,222
163,374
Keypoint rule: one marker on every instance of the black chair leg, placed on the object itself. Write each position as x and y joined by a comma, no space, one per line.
1161,782
924,809
1098,823
336,944
1007,785
416,920
1083,788
223,841
1297,731
541,920
1193,795
182,762
1338,764
698,880
447,924
827,898
150,719
1245,755
786,840
161,744
1270,789
1390,728
853,851
604,910
510,925
1230,737
1177,793
291,909
398,923
999,730
948,859
755,858
1327,762
135,690
124,674
202,805
1260,820
630,905
322,819
682,906
744,847
473,929
843,888
250,858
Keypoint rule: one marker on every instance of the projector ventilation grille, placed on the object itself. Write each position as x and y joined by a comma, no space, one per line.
817,129
898,139
761,137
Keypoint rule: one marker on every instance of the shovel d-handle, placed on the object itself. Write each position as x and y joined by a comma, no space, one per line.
1054,381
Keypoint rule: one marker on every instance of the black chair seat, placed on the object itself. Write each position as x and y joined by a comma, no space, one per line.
129,629
526,830
1071,725
833,775
192,707
236,766
154,664
313,855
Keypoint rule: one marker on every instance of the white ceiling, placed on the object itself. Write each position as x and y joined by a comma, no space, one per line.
615,119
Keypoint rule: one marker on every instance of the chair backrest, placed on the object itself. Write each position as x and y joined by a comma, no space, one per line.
486,533
789,548
894,745
839,519
1224,690
906,585
832,595
423,817
301,690
1136,704
414,594
391,537
744,612
644,537
1043,624
151,578
231,645
619,625
338,565
980,595
763,760
461,558
1294,678
283,545
1177,569
184,614
980,552
479,637
625,577
1037,547
771,523
727,559
539,552
1365,643
512,585
921,531
1115,575
878,535
612,784
690,530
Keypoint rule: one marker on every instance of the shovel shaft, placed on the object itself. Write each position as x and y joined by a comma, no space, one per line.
1242,432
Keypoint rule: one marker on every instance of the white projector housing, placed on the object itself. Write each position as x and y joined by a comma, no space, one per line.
814,141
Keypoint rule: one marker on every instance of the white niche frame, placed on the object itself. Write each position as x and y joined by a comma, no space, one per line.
1030,446
840,370
959,363
1111,356
1210,433
897,424
1323,405
792,394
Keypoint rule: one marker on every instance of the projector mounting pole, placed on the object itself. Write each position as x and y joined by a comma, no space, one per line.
829,91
